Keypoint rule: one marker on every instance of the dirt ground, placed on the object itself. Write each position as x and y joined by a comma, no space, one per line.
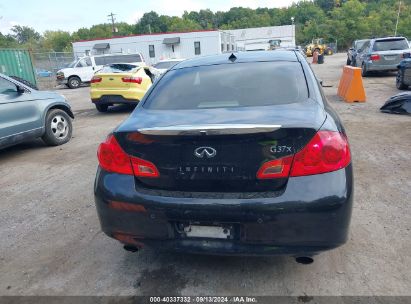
51,242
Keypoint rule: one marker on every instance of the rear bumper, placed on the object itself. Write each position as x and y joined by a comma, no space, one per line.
375,66
311,215
126,94
114,99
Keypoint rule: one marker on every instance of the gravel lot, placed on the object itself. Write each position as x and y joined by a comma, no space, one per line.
51,242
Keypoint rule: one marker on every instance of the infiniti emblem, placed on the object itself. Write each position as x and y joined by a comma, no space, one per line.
202,152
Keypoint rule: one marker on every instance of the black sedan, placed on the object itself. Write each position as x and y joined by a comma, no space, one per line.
236,154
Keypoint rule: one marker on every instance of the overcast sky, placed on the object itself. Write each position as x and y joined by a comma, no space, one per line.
73,14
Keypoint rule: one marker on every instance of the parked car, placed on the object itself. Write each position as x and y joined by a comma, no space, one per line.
164,65
229,154
43,73
381,54
120,83
82,70
26,114
353,51
403,79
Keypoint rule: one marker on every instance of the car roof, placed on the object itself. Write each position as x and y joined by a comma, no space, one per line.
171,59
240,57
389,38
113,54
127,63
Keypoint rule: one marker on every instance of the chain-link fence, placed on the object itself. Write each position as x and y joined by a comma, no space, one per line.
47,64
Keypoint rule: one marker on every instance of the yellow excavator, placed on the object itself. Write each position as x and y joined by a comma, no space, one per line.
319,45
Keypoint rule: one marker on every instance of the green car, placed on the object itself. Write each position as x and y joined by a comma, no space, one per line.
26,114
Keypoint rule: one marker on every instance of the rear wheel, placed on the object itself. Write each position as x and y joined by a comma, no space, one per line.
74,82
348,61
400,81
58,128
101,107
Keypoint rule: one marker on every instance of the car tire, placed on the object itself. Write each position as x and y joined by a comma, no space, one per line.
101,107
399,81
348,61
364,72
58,128
74,82
25,82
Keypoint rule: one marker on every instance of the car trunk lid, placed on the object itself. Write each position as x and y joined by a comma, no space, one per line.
113,81
218,150
390,57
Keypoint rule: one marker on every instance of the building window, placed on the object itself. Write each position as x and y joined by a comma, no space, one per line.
151,51
222,47
197,48
232,47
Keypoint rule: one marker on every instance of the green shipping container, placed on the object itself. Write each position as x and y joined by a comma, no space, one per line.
15,62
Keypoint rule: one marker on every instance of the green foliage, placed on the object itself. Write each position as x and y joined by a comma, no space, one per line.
58,41
24,34
7,41
342,20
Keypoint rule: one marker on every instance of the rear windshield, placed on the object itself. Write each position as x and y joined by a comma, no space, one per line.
359,44
118,68
230,85
103,60
391,45
165,64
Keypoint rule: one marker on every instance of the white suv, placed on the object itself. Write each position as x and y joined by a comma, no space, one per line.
82,70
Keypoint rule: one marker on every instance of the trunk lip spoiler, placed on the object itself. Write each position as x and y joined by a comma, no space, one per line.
210,129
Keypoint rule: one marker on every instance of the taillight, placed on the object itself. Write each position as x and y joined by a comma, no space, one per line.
96,79
112,158
275,168
144,168
138,80
327,151
375,57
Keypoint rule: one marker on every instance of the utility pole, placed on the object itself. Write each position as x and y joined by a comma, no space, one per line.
398,18
149,28
113,20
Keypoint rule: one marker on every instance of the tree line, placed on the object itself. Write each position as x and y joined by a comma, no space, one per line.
334,20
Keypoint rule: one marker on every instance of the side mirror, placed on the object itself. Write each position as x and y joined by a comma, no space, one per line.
320,81
20,89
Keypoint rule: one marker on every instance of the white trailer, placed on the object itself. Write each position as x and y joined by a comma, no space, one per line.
253,39
159,46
